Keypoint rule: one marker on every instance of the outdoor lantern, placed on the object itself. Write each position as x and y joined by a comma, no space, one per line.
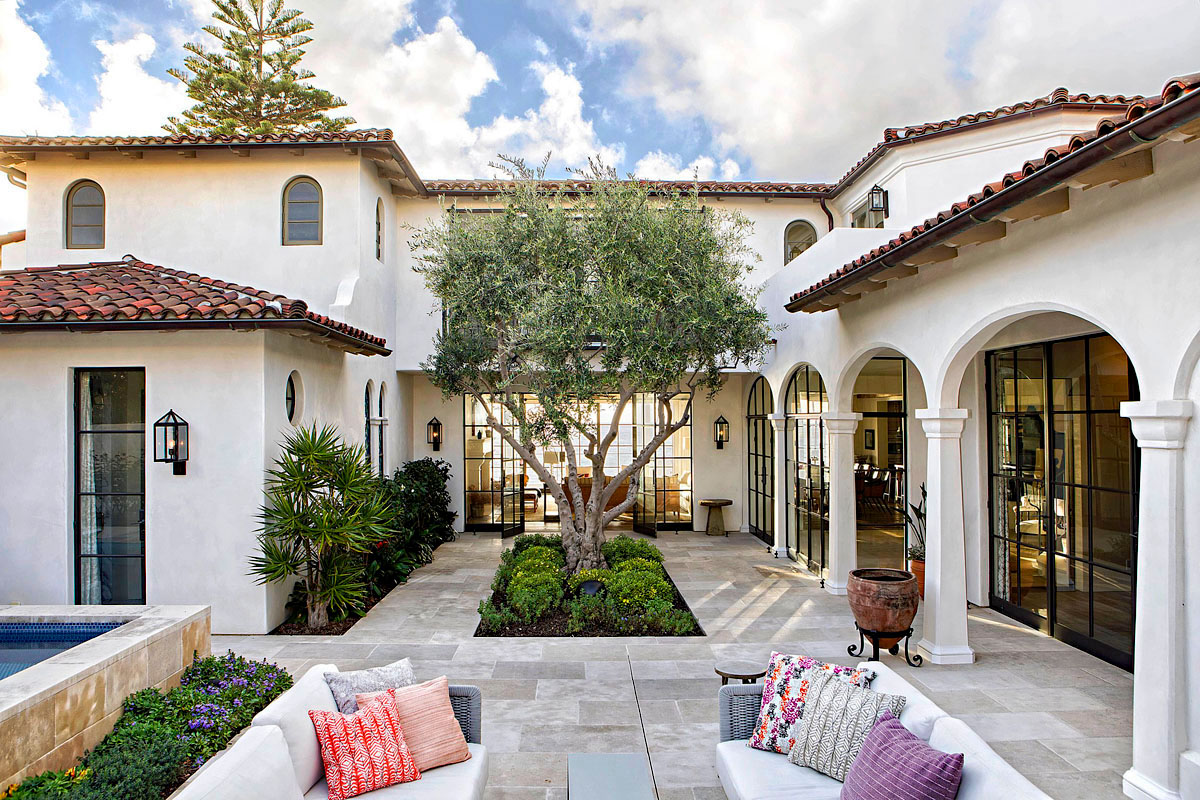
433,434
878,199
171,441
721,432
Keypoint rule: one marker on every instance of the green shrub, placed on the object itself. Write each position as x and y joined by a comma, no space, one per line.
504,572
623,548
663,618
533,596
631,592
417,520
493,619
586,612
640,564
577,580
138,766
54,785
538,553
527,540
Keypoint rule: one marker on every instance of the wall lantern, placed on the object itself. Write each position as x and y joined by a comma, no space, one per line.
433,434
171,441
878,200
721,432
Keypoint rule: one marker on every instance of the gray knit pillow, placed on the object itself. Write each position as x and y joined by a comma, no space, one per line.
345,685
837,718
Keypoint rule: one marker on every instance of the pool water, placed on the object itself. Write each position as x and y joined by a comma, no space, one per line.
23,644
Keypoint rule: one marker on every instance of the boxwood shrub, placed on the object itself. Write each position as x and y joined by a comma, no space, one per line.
632,592
640,564
547,555
527,540
623,548
533,596
579,578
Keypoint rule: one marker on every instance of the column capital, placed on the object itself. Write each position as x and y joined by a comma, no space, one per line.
942,423
1158,424
841,422
778,422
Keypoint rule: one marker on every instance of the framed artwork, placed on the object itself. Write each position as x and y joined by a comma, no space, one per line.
869,439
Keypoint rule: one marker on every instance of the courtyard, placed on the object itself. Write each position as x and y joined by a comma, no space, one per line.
1057,714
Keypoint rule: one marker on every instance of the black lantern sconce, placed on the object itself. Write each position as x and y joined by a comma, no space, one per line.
721,432
171,441
877,200
433,434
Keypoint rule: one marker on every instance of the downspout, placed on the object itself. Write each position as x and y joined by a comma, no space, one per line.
828,213
15,176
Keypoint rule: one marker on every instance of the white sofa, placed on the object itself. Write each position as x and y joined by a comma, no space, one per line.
278,758
749,774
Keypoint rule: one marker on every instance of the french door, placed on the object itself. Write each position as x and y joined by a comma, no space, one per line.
664,495
495,472
110,486
760,462
807,473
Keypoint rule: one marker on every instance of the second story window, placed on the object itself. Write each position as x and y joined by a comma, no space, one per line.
379,229
85,216
800,236
302,212
864,217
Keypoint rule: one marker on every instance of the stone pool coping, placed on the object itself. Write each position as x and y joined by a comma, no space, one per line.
53,711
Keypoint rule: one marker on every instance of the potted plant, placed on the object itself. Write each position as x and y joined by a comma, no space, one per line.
915,522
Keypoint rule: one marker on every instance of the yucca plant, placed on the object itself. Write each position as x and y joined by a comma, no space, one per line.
323,510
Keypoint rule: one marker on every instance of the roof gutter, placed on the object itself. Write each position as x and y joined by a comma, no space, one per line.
16,177
344,341
1125,138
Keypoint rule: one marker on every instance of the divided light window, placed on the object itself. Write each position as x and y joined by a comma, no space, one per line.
85,216
302,215
864,217
379,229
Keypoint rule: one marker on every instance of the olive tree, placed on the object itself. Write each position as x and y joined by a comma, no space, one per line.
580,292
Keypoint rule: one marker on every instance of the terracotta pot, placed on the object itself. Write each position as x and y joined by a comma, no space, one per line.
918,569
883,600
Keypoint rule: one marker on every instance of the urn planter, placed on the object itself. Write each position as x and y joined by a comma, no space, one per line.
884,601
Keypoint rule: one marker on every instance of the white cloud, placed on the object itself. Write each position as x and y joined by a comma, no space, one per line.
669,166
132,101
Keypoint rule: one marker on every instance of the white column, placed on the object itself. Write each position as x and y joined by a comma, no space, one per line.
843,516
1159,681
779,499
944,639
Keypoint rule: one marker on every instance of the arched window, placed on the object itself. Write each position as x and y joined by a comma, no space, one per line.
302,212
379,234
806,469
85,216
800,236
367,423
382,425
760,452
293,402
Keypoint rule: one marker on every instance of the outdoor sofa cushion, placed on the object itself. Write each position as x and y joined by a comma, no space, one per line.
256,765
462,781
895,765
345,685
749,774
920,713
289,712
784,693
433,734
986,776
365,750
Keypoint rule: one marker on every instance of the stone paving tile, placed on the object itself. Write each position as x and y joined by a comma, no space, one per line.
582,739
1006,727
573,670
1104,785
1035,758
1087,755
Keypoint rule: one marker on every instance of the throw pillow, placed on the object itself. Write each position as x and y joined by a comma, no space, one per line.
345,685
894,764
784,695
837,718
430,727
364,751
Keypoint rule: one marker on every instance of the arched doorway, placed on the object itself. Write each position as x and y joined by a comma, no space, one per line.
760,461
881,395
806,468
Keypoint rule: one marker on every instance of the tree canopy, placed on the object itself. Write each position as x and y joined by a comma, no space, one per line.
623,289
254,83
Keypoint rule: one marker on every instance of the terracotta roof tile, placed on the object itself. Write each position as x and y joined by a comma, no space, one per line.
314,137
115,291
486,187
1137,108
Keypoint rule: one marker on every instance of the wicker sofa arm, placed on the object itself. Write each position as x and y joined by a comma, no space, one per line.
467,702
739,705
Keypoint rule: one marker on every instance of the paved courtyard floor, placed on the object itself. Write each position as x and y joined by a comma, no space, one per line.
1057,714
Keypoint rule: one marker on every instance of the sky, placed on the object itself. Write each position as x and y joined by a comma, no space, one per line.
788,90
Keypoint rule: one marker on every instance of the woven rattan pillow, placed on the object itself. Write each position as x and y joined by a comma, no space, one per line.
837,718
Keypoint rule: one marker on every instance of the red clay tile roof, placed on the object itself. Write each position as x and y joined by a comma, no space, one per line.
707,188
110,293
1172,91
283,138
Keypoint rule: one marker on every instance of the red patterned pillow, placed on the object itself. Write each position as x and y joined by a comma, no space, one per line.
365,750
784,693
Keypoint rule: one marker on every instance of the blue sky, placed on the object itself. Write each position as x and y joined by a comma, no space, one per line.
736,89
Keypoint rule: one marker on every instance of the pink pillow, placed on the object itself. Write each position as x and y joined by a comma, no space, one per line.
784,693
893,764
433,734
365,750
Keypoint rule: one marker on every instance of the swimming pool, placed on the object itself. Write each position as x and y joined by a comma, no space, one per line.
23,644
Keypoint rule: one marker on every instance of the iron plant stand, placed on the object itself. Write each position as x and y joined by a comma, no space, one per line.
874,637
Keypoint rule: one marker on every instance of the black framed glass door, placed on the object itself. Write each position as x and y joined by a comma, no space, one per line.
1064,469
760,462
807,471
110,486
494,471
664,496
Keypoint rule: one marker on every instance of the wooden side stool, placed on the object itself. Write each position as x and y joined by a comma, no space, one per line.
745,671
716,515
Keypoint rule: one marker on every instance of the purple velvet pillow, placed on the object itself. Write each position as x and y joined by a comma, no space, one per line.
896,765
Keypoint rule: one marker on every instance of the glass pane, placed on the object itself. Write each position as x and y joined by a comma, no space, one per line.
1030,376
1069,386
112,581
302,231
110,525
1113,608
87,236
1005,570
303,212
1072,595
1007,496
481,508
1111,541
1071,520
1033,596
1031,438
1031,511
87,196
87,215
303,191
1004,445
1070,448
111,462
112,399
1111,451
1003,383
1110,373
